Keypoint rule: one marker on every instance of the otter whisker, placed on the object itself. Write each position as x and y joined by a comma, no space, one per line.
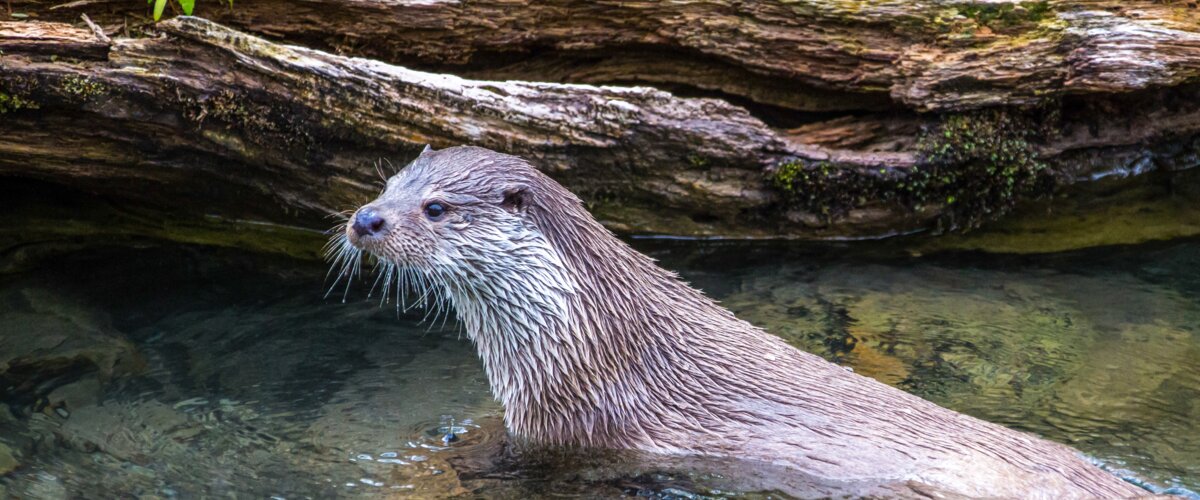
409,282
379,170
336,250
438,309
346,272
386,274
378,276
336,280
389,275
401,283
344,255
424,288
446,306
343,216
425,301
340,261
355,267
337,242
437,305
347,259
428,311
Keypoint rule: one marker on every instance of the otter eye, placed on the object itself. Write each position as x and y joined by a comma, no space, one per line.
434,210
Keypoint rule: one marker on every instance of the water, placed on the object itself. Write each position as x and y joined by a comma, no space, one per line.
1099,349
148,368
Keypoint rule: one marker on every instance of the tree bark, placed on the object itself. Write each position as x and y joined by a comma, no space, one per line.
204,116
206,112
808,55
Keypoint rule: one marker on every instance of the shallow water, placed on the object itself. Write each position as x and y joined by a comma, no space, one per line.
203,371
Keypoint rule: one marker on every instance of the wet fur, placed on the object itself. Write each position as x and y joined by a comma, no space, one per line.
588,343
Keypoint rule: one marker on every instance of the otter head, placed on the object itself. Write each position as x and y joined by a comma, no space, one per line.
445,202
464,224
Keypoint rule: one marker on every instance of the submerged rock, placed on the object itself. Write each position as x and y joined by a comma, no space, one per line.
8,462
51,345
137,433
1107,364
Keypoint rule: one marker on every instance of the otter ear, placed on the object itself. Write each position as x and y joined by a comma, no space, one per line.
516,199
428,149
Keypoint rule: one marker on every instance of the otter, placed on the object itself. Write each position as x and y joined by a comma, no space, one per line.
588,343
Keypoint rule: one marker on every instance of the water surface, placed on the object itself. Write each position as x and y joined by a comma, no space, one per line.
165,369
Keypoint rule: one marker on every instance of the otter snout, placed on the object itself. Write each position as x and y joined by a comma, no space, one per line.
367,223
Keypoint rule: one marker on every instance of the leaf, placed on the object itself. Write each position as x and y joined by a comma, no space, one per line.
187,6
158,8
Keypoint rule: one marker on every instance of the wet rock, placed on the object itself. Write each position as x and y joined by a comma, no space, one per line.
935,332
8,462
43,485
134,433
73,396
190,448
50,344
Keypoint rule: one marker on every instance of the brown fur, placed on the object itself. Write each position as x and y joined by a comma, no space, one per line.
588,343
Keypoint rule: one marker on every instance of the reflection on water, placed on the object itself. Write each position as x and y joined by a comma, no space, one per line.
175,370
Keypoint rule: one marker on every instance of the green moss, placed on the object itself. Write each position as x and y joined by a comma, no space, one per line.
11,102
261,124
830,190
228,107
962,21
82,88
979,163
1002,16
974,165
826,189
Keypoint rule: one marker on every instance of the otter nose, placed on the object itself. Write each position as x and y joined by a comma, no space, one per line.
368,223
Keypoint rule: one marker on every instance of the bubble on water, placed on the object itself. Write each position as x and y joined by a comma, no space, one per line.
370,482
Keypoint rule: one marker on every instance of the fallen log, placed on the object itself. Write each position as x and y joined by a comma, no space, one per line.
205,108
814,55
204,118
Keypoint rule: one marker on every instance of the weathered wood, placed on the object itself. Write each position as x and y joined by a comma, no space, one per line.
205,106
46,39
811,55
204,116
